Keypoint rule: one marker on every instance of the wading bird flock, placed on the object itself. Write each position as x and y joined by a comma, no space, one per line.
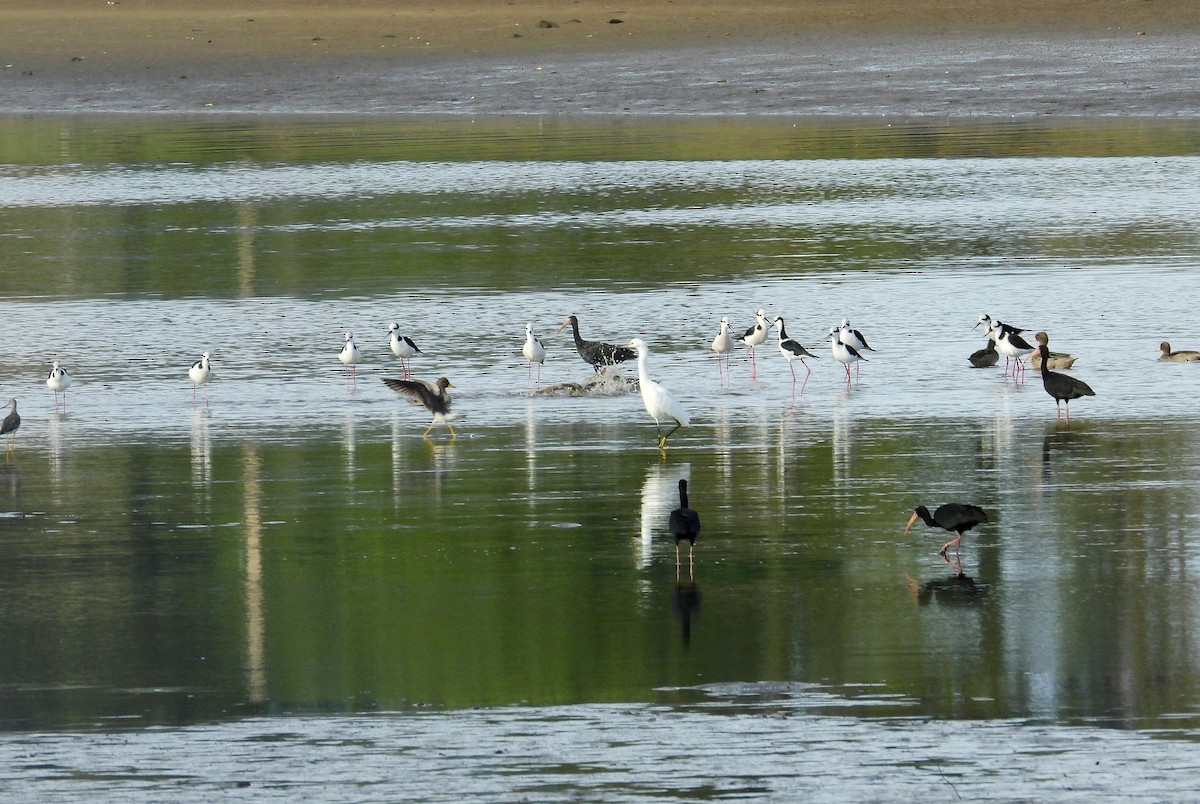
847,346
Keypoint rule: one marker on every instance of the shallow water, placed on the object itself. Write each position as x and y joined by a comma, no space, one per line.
294,546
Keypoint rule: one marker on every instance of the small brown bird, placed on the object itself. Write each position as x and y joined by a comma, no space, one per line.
10,426
1182,356
432,396
985,357
1058,360
1060,386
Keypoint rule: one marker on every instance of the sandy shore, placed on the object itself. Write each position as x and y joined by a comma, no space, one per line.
905,58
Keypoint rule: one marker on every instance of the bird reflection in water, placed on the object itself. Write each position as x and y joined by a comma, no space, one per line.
685,604
957,588
10,481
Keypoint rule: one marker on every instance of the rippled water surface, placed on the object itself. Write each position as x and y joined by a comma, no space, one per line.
293,546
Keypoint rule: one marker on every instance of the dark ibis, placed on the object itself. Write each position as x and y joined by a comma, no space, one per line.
684,524
958,518
1061,387
595,353
432,396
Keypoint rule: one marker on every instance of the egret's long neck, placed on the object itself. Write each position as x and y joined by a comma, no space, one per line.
642,370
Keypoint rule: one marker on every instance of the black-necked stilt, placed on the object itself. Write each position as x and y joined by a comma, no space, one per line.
660,404
200,373
350,355
595,353
791,350
534,352
402,347
994,329
433,396
854,339
1062,387
58,381
1182,356
957,518
988,323
755,336
684,524
723,346
1014,346
985,357
843,353
9,427
1058,360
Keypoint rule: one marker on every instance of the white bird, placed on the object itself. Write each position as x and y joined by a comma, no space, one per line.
754,336
658,400
402,347
843,353
350,355
200,373
58,381
534,352
791,350
723,345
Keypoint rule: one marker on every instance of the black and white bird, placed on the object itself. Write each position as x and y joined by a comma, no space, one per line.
1012,345
755,336
200,373
1062,387
596,353
792,351
350,355
432,395
58,381
842,352
854,339
994,329
684,524
988,324
402,347
9,427
534,352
